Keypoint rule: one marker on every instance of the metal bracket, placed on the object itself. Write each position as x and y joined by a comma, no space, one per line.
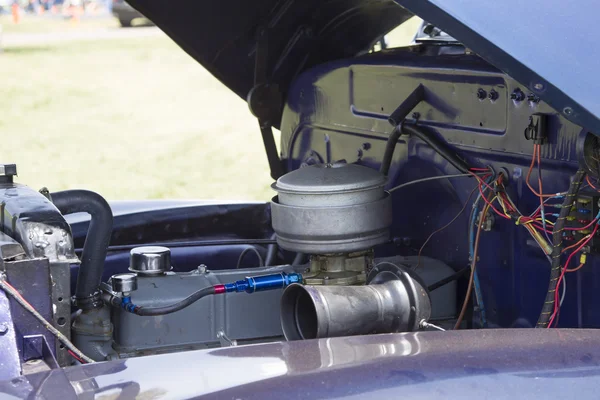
264,101
225,341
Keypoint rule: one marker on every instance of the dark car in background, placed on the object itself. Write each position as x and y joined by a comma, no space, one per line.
125,13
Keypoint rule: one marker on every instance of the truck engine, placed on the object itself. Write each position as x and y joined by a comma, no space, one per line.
416,189
335,214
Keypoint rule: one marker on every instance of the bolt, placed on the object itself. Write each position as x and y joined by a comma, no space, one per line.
493,95
538,86
481,94
202,269
517,95
533,98
416,115
568,111
517,173
3,328
366,146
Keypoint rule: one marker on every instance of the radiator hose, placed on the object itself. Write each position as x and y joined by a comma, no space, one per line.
96,241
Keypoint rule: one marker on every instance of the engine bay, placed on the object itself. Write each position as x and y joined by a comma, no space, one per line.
422,192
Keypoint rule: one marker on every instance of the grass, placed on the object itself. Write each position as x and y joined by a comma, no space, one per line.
132,118
128,118
54,23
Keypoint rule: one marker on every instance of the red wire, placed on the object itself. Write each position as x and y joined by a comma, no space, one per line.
18,293
488,203
76,357
479,169
536,155
26,302
587,178
565,267
584,227
539,162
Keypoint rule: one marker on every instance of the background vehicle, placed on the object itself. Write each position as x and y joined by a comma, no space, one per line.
366,257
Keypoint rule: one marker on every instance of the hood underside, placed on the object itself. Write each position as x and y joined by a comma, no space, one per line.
546,47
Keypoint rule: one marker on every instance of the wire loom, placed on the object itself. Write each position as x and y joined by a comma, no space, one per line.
555,271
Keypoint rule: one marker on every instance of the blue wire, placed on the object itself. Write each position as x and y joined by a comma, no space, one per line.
476,284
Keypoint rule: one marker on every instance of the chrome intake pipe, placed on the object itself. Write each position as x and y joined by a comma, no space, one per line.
393,301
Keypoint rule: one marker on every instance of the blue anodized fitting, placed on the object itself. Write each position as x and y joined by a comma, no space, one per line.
127,305
264,282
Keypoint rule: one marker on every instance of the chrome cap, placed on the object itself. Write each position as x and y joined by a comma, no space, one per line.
123,282
150,260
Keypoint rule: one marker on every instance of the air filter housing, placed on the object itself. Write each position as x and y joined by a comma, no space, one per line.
331,209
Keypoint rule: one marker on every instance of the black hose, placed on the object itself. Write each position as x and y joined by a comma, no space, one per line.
448,279
557,242
154,311
271,252
395,119
390,146
439,146
96,240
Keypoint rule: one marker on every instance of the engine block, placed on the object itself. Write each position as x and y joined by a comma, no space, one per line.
210,322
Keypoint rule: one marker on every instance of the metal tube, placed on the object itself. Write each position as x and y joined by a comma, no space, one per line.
309,312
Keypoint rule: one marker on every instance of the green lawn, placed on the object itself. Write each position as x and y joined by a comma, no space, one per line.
55,23
130,119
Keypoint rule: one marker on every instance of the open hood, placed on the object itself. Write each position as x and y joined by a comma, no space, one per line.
546,47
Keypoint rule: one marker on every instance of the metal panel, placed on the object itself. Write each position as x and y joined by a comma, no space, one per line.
9,354
507,364
538,42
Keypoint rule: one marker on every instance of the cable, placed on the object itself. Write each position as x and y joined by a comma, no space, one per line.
557,236
425,324
471,233
564,290
564,269
577,268
75,356
448,279
536,149
444,227
246,250
587,178
9,289
473,265
431,178
171,308
542,212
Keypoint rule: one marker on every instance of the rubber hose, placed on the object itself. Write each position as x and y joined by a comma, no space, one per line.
557,242
271,252
390,146
96,240
194,297
439,146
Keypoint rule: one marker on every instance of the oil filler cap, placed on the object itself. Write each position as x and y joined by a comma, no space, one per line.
150,260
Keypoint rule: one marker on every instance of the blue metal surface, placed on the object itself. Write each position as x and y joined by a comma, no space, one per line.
9,353
499,364
264,282
339,111
538,42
